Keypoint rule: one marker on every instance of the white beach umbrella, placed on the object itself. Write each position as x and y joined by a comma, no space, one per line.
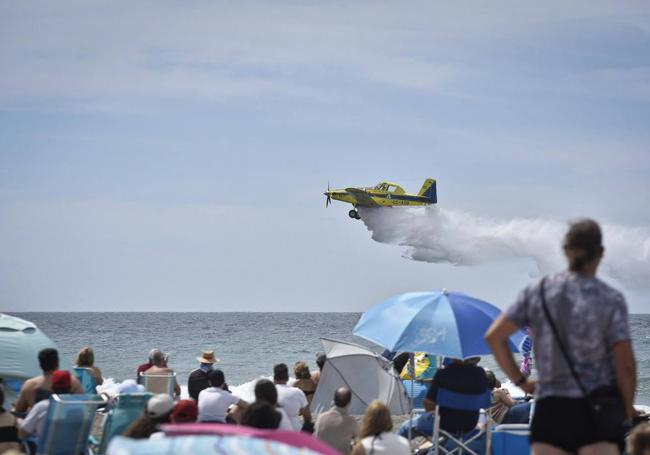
20,342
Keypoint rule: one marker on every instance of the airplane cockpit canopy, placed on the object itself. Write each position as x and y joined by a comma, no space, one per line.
389,187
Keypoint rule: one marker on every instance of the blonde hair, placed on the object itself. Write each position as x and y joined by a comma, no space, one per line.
301,370
639,441
376,420
86,357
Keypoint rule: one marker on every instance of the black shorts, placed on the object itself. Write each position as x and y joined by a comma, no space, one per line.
565,423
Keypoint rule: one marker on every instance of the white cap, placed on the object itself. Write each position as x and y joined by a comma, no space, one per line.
160,405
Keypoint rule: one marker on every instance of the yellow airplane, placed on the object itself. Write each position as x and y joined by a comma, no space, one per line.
384,194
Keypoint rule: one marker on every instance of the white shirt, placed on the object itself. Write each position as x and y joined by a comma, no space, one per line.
388,443
285,423
33,423
292,400
214,403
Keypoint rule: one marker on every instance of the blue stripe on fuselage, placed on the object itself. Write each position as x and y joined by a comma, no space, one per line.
402,197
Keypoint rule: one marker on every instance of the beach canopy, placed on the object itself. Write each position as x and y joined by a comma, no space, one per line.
367,374
20,342
297,439
203,444
439,322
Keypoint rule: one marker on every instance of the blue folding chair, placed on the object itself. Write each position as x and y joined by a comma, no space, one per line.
127,409
511,439
67,424
86,378
450,443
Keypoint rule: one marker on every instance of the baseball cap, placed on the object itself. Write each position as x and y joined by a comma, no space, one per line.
61,381
185,411
160,405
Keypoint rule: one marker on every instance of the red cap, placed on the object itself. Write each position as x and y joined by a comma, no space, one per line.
61,382
185,411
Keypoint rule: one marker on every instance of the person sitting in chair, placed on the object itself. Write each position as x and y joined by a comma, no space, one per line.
460,376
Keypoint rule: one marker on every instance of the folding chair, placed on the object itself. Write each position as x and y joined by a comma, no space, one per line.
159,383
465,402
86,378
511,439
127,409
67,424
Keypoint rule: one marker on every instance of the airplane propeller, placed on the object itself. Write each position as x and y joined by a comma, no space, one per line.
328,201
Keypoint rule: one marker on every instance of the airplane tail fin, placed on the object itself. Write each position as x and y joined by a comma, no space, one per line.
428,190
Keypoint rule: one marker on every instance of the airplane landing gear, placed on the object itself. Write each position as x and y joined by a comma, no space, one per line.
354,214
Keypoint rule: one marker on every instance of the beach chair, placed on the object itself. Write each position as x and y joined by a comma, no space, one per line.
159,383
67,424
450,443
127,408
86,378
511,439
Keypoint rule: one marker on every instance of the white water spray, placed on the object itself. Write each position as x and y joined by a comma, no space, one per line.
434,234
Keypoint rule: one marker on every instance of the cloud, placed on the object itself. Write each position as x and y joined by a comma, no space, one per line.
99,54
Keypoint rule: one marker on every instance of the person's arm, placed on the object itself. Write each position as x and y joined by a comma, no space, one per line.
429,405
99,379
497,338
22,403
504,397
305,413
625,374
358,449
243,403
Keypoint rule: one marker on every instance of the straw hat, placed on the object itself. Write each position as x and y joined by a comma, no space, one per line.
207,357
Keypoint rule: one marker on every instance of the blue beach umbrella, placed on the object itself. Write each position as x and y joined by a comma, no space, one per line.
443,323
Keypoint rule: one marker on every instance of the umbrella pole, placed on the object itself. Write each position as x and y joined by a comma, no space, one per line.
412,371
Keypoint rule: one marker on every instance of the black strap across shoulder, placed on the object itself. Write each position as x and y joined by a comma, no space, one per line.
563,350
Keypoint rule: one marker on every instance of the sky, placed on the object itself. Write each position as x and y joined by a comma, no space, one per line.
171,156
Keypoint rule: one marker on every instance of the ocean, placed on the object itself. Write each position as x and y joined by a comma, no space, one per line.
247,344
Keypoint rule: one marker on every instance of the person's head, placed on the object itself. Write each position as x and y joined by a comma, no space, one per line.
48,359
185,411
86,357
61,381
207,359
261,415
280,373
217,378
639,440
493,382
472,361
342,397
301,370
320,360
158,358
376,420
160,406
265,391
583,245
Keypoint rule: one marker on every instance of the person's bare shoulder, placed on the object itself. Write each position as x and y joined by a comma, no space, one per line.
32,383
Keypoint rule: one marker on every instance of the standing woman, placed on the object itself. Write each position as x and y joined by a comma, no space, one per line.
581,343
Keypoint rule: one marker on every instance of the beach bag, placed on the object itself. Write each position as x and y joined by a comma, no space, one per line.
605,403
608,412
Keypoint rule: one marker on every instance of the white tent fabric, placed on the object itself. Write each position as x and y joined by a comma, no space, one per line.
368,375
20,342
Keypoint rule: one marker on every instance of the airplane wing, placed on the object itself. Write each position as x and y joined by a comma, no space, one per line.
363,198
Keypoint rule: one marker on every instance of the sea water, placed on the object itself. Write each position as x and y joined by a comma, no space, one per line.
247,344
